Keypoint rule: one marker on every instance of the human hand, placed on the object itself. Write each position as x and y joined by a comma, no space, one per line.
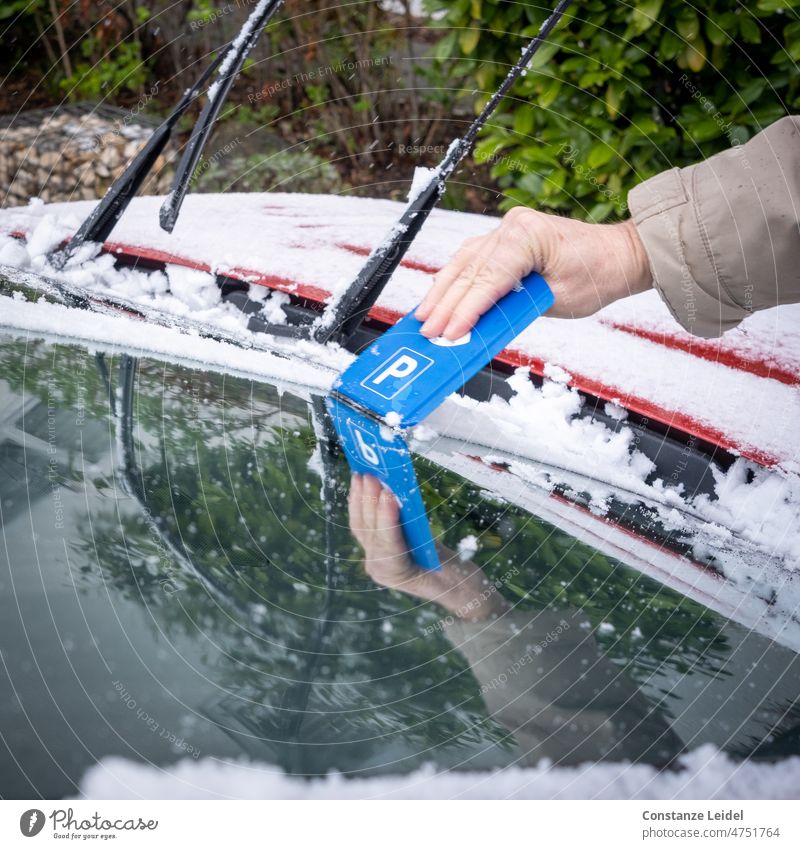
460,587
375,523
588,266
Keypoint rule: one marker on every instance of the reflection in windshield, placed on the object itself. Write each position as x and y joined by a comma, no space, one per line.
182,581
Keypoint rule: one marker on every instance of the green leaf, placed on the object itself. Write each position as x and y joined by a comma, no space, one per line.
645,15
791,34
468,40
688,23
704,130
537,155
550,93
716,35
593,78
600,212
749,29
750,92
523,120
771,6
599,155
670,46
532,183
614,96
444,49
544,54
694,56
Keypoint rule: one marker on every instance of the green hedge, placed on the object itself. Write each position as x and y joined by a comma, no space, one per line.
624,90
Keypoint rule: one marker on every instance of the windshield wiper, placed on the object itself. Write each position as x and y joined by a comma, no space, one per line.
98,225
217,93
103,218
345,312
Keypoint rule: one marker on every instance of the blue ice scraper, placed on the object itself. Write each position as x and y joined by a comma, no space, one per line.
401,378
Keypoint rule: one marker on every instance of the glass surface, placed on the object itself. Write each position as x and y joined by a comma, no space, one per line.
174,585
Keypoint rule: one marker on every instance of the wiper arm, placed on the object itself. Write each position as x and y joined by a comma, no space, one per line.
103,218
345,312
217,93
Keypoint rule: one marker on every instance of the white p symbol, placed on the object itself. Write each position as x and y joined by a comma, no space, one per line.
402,367
368,452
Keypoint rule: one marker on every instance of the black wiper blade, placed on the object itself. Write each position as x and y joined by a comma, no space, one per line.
217,93
104,217
342,318
345,312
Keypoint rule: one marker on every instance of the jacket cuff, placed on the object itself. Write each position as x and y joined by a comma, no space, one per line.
681,262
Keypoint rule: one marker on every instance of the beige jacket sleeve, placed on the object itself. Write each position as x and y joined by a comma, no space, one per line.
723,236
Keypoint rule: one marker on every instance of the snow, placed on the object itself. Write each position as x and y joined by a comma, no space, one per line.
539,424
392,419
245,34
416,9
761,509
197,289
467,547
312,241
423,177
704,773
120,333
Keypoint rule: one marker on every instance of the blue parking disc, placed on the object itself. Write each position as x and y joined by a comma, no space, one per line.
405,374
372,448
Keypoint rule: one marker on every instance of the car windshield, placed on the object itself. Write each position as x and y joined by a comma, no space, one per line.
178,583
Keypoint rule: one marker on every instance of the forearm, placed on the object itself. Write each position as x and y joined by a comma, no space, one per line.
461,588
723,236
543,676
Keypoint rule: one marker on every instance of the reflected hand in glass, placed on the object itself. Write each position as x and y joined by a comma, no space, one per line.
460,587
541,673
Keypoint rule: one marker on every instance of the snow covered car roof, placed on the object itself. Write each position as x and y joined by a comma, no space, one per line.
312,246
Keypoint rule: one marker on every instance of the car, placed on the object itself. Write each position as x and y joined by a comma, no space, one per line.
182,584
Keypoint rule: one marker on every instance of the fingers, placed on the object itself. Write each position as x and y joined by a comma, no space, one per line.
371,490
372,507
465,313
387,513
445,278
375,523
468,298
480,274
355,502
